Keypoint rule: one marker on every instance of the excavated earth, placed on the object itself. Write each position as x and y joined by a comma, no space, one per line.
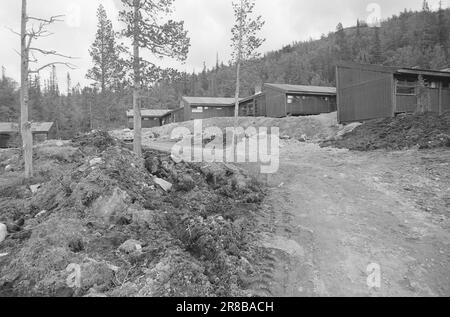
96,221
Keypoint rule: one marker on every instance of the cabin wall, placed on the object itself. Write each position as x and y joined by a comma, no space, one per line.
364,94
275,103
310,105
206,112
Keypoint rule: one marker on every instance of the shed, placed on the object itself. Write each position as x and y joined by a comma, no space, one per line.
282,100
253,106
10,133
207,107
367,92
152,118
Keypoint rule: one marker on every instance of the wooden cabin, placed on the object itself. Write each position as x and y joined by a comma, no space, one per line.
152,118
253,106
207,107
10,133
298,100
367,92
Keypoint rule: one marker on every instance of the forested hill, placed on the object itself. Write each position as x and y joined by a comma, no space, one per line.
409,39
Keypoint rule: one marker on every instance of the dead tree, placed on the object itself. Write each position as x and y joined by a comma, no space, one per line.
28,35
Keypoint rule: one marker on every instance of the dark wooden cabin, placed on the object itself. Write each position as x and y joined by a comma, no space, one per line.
367,92
207,107
10,133
152,118
253,106
296,100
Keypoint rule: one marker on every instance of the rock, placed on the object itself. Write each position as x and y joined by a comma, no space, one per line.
131,246
166,186
9,168
108,208
43,212
285,137
3,255
95,161
35,188
303,138
95,274
3,232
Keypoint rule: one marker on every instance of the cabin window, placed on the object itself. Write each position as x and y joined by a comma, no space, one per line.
219,108
197,109
290,99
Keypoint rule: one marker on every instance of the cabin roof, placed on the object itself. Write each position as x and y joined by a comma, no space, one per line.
397,70
209,101
36,127
150,113
302,89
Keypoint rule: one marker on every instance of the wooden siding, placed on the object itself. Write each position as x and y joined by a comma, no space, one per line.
211,112
275,103
364,94
311,105
445,107
406,103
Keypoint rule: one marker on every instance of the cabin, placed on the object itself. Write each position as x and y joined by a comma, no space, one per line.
366,92
298,100
207,107
10,133
152,118
253,106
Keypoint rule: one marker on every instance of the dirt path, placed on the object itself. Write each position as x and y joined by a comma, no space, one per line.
329,215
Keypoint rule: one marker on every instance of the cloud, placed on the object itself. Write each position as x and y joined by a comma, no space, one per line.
209,23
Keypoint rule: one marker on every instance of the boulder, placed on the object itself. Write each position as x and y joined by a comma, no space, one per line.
111,207
131,246
3,232
166,186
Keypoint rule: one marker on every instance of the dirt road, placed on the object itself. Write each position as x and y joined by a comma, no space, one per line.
330,214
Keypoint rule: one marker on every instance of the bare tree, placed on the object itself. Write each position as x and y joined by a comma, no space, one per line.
147,28
245,41
38,29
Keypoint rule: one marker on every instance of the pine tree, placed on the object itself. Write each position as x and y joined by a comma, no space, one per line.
107,70
342,46
376,50
147,28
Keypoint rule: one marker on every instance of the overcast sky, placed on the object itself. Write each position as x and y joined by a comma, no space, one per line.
208,21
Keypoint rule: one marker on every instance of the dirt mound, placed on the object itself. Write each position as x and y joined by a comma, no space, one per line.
101,225
310,128
402,132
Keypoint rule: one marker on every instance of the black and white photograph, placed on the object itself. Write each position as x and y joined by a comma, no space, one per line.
224,155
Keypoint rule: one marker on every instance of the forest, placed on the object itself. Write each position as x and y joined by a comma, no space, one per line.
410,39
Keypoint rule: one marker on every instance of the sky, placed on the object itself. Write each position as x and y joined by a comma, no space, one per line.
208,22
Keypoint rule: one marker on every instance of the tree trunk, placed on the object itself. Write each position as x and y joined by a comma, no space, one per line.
25,125
137,145
238,87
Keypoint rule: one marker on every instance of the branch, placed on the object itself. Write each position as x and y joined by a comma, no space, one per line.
51,20
71,66
51,52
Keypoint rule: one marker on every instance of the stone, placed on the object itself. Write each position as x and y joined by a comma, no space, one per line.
43,212
3,232
131,246
95,161
35,188
111,207
9,168
166,186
